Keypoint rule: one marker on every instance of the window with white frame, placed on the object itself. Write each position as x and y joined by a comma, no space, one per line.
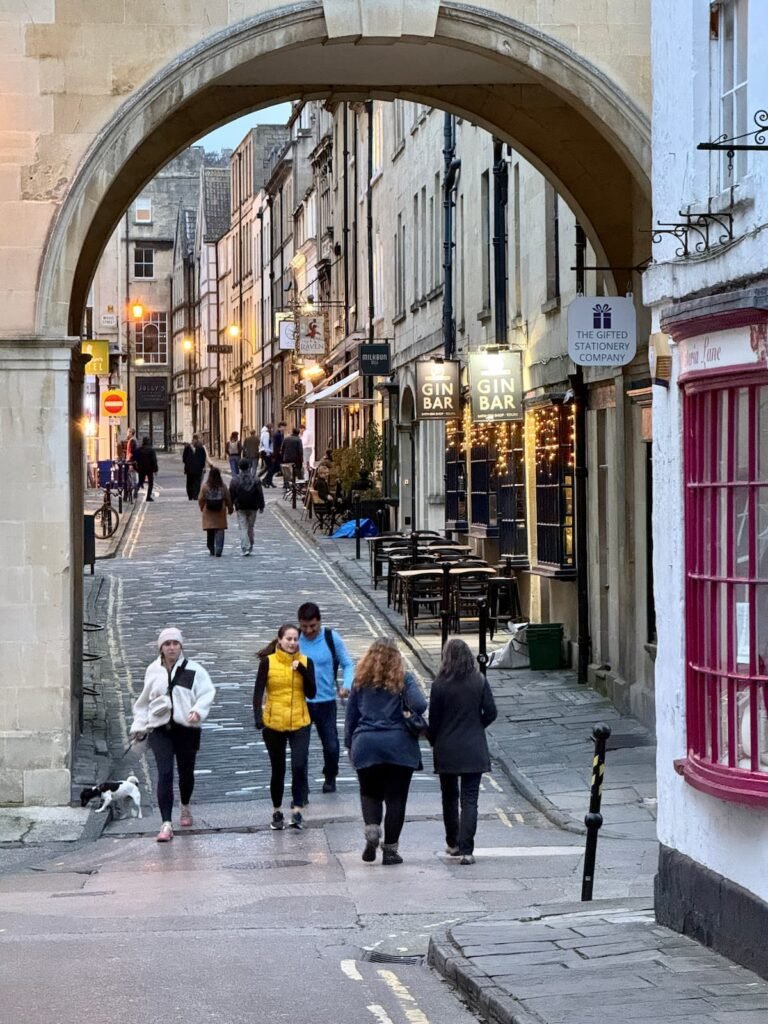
143,261
152,338
416,247
142,210
485,240
378,139
437,263
400,267
398,110
729,22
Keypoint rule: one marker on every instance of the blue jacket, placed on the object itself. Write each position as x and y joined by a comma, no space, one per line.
320,653
375,731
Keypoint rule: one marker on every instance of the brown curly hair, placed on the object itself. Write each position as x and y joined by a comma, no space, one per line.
381,667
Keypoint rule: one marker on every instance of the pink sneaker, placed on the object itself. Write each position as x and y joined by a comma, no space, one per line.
165,835
186,817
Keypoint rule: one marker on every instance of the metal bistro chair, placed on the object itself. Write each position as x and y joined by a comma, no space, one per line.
381,549
467,590
325,514
395,583
423,599
503,602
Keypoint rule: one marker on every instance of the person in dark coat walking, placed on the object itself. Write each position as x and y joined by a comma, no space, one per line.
215,503
293,455
195,459
277,452
461,707
146,465
383,752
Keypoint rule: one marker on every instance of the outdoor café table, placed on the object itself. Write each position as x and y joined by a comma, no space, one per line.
396,563
404,577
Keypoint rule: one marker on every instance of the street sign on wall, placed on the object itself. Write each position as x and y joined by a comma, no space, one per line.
222,350
311,335
375,359
151,393
99,356
287,334
497,386
438,390
114,402
602,331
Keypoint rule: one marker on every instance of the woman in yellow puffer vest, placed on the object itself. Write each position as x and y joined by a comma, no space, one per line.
284,681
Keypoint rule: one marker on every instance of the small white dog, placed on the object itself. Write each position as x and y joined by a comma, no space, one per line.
127,796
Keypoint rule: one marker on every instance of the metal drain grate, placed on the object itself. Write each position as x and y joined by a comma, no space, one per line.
375,956
264,865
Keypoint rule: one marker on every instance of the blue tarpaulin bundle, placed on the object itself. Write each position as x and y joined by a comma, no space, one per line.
367,529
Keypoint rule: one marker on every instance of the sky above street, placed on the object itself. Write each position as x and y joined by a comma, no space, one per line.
229,135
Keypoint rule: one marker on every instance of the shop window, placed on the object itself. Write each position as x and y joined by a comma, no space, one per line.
513,530
455,477
483,472
554,473
152,339
726,561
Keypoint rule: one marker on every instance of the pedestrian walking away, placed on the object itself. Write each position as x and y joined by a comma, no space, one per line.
329,654
265,446
215,502
234,448
251,450
461,707
146,464
293,456
284,681
195,459
383,751
248,500
277,452
170,709
131,447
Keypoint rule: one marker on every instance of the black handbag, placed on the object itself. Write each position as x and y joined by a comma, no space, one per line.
415,722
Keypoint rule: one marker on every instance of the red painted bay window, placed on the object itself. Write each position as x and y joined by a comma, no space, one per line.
726,561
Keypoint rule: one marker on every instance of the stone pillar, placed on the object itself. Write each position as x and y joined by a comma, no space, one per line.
37,610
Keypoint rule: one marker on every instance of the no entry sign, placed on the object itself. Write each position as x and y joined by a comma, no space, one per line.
114,402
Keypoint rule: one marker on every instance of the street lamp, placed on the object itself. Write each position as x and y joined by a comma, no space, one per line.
235,332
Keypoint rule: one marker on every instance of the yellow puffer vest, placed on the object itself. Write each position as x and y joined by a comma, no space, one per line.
285,708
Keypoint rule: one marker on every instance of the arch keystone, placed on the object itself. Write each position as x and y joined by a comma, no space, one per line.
380,19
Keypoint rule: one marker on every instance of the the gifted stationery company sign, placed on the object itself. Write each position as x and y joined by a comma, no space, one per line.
438,390
497,392
602,331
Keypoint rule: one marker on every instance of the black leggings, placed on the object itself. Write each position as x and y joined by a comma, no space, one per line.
275,742
183,744
385,784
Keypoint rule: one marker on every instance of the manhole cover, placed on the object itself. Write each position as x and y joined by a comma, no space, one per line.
375,956
264,865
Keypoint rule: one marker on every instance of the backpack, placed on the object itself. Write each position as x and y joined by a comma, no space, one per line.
249,492
332,648
214,501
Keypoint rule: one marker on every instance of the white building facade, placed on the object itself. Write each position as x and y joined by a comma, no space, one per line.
708,292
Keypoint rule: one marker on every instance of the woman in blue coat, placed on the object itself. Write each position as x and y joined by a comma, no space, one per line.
461,707
383,752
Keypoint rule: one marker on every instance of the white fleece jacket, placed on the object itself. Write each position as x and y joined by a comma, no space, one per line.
192,691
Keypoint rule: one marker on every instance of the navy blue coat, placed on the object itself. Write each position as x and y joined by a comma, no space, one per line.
375,731
460,710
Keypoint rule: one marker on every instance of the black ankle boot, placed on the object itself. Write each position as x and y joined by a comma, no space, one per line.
389,854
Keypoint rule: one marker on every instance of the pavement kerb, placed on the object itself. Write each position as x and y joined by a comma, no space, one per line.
522,782
481,993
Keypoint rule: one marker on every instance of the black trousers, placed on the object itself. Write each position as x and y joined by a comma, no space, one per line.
460,794
181,743
150,478
323,714
276,742
194,483
385,785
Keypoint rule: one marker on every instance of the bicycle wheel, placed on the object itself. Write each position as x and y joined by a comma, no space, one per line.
106,521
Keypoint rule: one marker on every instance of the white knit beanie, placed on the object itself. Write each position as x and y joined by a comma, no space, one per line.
170,634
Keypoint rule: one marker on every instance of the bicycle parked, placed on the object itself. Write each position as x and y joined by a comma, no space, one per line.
106,518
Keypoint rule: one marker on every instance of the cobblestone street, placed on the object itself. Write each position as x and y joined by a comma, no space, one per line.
227,609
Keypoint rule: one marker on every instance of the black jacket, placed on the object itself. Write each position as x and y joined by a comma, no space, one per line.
277,445
293,450
146,459
194,460
248,498
460,710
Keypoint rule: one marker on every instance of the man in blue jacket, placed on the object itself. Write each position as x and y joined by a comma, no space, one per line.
329,654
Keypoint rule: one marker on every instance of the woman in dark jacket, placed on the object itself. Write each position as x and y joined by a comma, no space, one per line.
461,707
383,752
215,503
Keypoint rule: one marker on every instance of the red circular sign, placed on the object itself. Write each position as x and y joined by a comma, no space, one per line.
114,404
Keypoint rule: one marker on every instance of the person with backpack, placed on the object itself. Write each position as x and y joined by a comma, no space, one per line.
248,499
215,503
234,450
328,653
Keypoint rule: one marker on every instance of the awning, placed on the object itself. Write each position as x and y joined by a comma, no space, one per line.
329,397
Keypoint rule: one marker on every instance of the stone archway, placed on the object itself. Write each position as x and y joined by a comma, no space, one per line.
574,120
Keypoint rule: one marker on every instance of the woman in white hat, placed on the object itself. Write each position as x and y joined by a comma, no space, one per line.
176,698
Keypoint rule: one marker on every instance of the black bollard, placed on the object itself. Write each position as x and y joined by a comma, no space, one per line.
293,485
357,526
594,818
445,607
482,629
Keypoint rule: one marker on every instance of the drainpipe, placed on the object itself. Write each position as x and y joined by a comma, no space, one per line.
345,188
354,227
580,473
500,197
367,380
262,307
451,167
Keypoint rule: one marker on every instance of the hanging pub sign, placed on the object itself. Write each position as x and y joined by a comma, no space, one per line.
497,386
311,335
602,331
374,359
438,390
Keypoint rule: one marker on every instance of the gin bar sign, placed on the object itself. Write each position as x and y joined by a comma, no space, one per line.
438,392
602,331
497,393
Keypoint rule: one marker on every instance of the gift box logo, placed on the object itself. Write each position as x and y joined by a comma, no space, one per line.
601,316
